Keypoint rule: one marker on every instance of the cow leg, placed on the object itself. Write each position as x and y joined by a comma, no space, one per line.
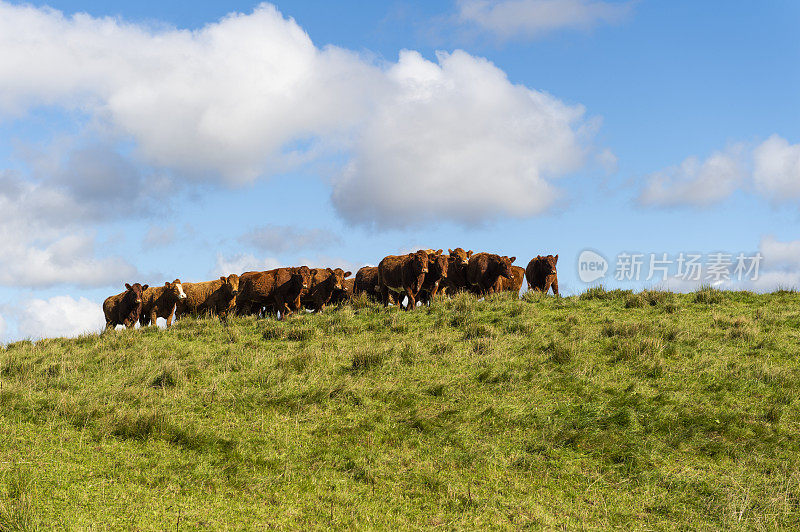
385,295
555,287
433,292
411,301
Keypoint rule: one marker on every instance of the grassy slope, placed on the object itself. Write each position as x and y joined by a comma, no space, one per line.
594,412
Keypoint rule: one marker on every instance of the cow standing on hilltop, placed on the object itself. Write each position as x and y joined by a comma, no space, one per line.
456,280
366,282
484,269
277,290
513,285
124,308
160,302
438,265
216,297
324,281
542,275
403,275
343,294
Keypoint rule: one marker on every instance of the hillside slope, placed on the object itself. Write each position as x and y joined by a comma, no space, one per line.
610,409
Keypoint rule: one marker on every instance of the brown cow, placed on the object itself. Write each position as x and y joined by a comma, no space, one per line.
542,275
367,282
343,294
437,274
404,275
125,308
511,285
456,272
484,269
323,283
216,297
160,302
276,290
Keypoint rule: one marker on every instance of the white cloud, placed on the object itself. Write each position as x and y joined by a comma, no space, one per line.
59,316
42,243
227,98
696,183
532,18
780,255
457,140
776,171
251,95
282,238
243,262
772,169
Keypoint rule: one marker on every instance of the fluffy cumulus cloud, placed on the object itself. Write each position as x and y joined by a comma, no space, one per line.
59,316
228,98
455,139
252,95
695,182
771,168
776,171
283,238
532,18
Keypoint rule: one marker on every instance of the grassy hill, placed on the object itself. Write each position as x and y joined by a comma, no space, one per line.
611,409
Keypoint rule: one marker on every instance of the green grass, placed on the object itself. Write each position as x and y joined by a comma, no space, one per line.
612,409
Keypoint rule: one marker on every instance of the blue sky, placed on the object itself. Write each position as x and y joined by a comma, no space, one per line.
153,140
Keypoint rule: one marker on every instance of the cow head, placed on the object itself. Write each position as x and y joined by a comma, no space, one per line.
133,293
338,275
175,289
438,265
505,267
546,265
459,255
305,276
419,262
132,302
230,285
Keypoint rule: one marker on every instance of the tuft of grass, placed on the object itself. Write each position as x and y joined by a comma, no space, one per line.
165,379
634,301
17,508
559,352
599,292
709,296
368,359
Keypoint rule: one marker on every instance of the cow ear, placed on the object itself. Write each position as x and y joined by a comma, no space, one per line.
450,251
222,279
145,287
166,285
469,253
127,286
556,257
348,274
330,270
512,259
176,281
439,252
411,254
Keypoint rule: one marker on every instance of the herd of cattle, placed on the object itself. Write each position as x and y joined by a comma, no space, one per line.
415,277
